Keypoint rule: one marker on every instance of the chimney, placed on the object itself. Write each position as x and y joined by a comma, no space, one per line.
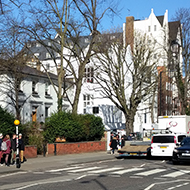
129,31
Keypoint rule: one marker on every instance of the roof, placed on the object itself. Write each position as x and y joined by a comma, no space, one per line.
160,19
173,30
29,71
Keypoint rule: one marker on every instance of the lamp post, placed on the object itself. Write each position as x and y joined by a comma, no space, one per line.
17,122
175,51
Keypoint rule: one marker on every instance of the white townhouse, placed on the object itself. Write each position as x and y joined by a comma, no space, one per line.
36,98
91,101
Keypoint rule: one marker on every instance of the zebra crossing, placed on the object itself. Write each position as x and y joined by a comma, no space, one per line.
119,170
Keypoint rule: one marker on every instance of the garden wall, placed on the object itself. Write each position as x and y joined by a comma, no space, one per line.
78,147
30,151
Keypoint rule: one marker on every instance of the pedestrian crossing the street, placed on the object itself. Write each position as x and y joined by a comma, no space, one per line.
134,171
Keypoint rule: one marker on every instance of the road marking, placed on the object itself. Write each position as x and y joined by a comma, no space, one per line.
104,170
63,169
176,174
84,169
16,173
80,177
147,173
127,171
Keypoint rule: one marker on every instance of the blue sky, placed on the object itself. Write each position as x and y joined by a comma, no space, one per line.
141,9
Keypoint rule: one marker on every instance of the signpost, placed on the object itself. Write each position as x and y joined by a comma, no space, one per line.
17,122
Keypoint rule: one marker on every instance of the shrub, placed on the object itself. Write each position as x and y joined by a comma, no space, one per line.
74,128
6,122
34,135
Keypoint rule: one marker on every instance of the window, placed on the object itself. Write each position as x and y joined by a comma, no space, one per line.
47,66
86,101
38,45
95,110
46,112
163,139
34,87
154,27
48,55
145,118
47,89
148,28
89,73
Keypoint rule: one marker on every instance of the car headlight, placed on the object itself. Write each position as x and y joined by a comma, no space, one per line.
176,151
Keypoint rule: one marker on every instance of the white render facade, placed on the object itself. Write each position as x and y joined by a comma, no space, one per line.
37,97
91,101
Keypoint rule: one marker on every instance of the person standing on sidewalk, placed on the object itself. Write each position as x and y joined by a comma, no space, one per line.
13,149
8,150
113,145
1,153
21,148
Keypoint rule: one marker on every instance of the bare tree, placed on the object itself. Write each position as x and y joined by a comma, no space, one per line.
58,18
126,77
11,68
182,67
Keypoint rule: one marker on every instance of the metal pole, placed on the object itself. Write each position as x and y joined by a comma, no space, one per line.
160,90
17,150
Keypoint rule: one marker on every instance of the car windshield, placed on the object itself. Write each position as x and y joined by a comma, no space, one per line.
186,141
163,139
181,137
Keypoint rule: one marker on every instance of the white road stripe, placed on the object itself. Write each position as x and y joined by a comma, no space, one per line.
63,169
84,169
104,170
147,173
176,174
127,171
16,173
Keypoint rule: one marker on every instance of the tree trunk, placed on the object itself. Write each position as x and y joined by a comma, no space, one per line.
129,124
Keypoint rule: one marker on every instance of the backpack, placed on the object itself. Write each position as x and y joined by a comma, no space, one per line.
4,146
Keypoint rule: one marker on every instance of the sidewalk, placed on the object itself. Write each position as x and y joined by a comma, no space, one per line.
59,161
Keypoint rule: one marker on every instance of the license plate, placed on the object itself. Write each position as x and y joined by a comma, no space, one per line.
163,147
185,154
133,153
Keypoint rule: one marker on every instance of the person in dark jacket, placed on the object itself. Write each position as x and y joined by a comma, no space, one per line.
113,145
21,148
122,141
13,149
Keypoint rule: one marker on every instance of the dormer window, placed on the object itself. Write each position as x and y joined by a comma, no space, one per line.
38,44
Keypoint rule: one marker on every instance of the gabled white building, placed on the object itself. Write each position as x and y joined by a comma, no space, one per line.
91,101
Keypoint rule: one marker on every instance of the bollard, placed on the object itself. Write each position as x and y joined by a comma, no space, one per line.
44,150
55,152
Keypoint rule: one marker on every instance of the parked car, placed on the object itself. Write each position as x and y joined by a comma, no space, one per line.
164,144
182,153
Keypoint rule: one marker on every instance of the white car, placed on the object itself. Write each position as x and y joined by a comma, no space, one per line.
164,144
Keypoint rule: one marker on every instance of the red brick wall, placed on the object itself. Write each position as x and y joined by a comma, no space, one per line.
71,148
30,152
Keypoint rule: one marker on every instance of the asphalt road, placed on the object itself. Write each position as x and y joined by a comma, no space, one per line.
107,174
